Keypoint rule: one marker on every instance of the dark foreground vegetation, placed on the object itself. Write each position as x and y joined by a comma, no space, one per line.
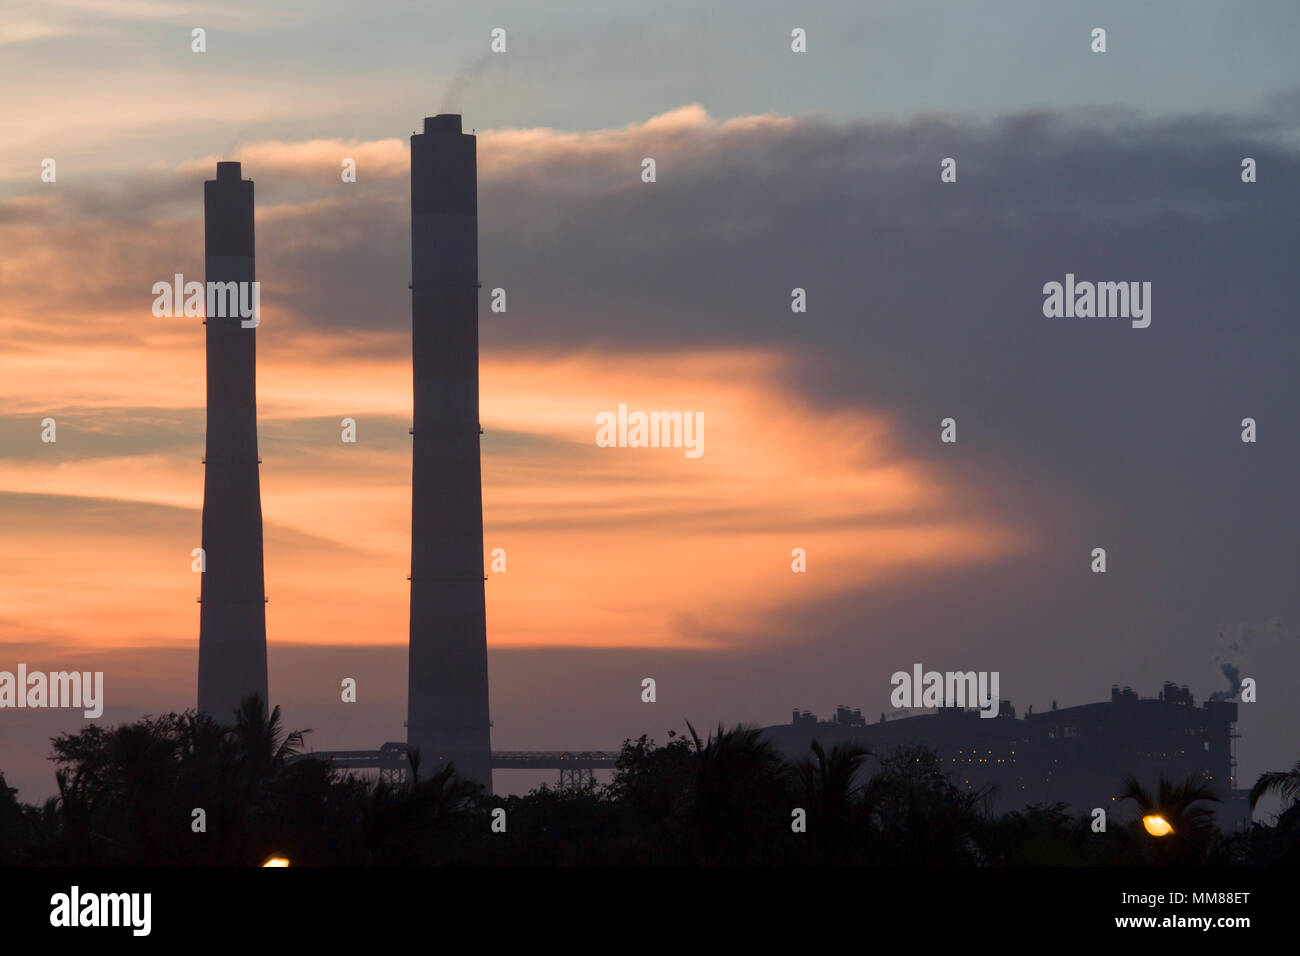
128,796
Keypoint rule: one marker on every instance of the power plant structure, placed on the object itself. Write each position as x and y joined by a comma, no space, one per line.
232,619
1074,755
447,705
447,717
447,694
447,691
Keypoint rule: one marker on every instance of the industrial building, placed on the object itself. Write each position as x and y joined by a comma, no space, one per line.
447,697
232,616
1076,755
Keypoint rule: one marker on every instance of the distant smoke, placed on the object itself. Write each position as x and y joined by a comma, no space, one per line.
453,99
1238,644
1233,673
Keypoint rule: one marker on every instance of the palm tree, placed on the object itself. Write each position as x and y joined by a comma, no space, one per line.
262,745
1180,805
828,790
738,788
418,824
1284,783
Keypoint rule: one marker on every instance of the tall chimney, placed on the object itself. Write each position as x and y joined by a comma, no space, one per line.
447,699
232,621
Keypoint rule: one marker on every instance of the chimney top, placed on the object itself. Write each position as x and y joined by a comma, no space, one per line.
442,123
228,171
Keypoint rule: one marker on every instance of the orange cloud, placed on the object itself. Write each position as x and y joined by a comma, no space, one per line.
605,546
504,151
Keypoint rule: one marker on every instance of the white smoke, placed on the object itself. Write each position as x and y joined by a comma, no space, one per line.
453,97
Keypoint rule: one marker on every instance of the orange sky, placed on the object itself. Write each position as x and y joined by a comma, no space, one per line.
604,546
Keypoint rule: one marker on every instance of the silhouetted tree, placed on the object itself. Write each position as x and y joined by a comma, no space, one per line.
15,827
1180,804
828,787
738,797
1285,784
410,825
923,818
650,789
263,748
1047,835
1279,843
126,795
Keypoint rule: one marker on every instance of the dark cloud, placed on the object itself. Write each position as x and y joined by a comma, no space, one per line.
924,302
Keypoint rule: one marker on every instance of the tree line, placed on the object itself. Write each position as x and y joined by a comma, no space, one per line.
184,789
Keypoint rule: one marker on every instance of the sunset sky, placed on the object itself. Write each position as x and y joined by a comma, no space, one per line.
774,171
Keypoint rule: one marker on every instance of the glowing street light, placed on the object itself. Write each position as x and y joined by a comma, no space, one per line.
276,861
1157,825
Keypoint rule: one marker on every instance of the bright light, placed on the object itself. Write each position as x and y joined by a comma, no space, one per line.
276,861
1157,825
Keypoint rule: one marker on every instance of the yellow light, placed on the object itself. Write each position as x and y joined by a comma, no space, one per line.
276,861
1157,825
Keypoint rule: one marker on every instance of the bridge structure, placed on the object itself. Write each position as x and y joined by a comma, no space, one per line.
392,760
